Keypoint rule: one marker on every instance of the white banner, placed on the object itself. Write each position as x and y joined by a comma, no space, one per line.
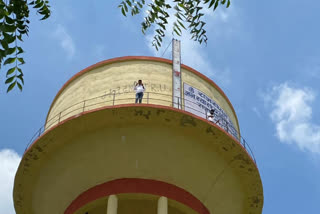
198,103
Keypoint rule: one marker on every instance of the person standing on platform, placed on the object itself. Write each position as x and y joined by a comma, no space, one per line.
210,115
139,88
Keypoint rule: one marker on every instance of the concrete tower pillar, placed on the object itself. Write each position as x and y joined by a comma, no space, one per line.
162,205
112,204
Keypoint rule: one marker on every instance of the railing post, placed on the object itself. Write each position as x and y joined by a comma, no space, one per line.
182,101
114,95
227,124
84,105
172,100
147,97
59,117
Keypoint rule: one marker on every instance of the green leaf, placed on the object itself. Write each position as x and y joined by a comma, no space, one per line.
175,30
136,9
19,86
9,61
45,17
180,23
11,70
20,50
228,4
158,42
123,12
11,86
25,31
4,44
181,5
125,7
20,37
10,79
4,12
43,12
2,56
216,4
8,38
9,20
129,3
211,3
20,76
9,28
19,69
11,50
38,5
21,60
162,26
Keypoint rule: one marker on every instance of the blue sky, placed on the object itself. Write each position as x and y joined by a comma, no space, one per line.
265,55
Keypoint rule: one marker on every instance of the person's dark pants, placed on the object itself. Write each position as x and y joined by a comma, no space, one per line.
139,97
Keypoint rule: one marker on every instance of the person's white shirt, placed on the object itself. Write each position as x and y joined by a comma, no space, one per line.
210,116
139,88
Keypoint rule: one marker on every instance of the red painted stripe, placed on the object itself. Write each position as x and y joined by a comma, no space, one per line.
136,185
146,58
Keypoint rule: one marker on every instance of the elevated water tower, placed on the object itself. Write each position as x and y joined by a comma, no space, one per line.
99,152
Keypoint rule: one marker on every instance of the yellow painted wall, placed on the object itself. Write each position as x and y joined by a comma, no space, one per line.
118,78
100,83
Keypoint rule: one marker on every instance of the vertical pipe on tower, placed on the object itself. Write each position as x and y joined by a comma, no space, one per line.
162,205
112,204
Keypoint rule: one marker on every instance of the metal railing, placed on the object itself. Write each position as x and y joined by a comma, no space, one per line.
129,98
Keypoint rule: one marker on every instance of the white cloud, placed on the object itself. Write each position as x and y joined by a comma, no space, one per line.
219,24
65,40
292,115
9,161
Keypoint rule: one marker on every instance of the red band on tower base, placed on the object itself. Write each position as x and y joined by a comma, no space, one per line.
136,185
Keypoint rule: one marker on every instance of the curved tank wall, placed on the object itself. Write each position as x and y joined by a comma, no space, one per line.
111,82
